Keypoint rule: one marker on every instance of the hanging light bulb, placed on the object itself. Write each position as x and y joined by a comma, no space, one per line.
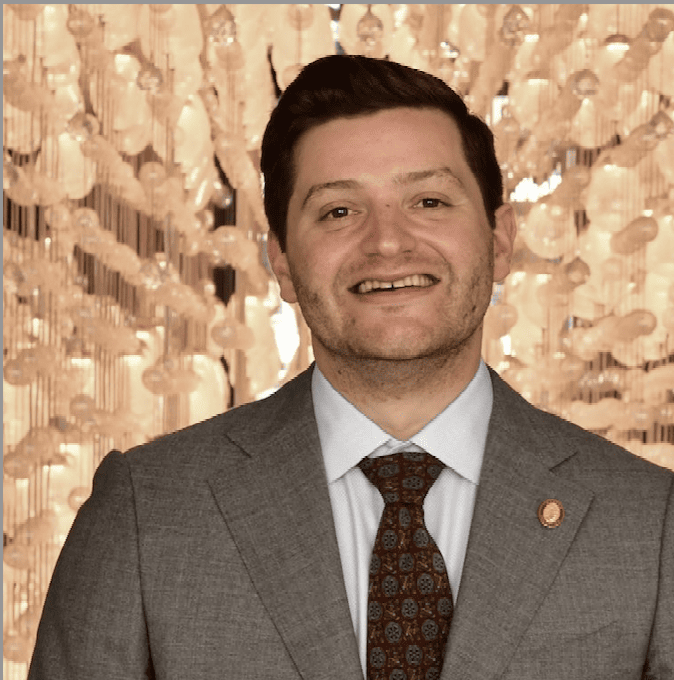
659,25
221,31
538,76
221,27
82,127
80,23
584,83
163,16
86,219
577,272
369,30
152,175
617,42
150,79
662,124
82,405
300,17
515,24
223,196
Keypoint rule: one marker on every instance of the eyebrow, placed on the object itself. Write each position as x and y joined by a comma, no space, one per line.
420,175
403,179
324,186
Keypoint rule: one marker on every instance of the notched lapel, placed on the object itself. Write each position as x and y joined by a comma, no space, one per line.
276,505
512,559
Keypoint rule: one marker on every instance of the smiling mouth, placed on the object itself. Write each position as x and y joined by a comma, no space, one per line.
373,286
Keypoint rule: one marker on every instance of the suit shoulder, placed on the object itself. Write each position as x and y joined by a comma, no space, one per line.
219,434
604,452
572,445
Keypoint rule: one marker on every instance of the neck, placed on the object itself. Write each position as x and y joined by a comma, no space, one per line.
399,396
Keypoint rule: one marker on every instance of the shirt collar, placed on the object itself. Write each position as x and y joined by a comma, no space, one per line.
456,436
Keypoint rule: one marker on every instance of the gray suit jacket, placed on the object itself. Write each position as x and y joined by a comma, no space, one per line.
211,553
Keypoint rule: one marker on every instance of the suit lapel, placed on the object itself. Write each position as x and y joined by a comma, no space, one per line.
511,558
276,505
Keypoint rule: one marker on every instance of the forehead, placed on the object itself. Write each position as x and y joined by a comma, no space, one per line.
392,140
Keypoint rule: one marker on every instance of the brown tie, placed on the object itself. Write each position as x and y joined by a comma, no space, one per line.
410,600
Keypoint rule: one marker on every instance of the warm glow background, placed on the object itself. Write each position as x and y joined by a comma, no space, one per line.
136,295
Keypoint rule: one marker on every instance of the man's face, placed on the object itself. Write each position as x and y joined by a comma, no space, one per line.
381,200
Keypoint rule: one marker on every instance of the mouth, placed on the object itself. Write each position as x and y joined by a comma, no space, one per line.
375,286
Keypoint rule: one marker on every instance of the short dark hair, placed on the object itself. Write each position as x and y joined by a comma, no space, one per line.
341,86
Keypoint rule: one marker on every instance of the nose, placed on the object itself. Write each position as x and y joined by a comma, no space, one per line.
387,232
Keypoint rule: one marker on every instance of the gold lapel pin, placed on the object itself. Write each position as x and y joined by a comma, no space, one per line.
551,513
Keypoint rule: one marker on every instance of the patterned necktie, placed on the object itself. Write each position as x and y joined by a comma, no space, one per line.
410,600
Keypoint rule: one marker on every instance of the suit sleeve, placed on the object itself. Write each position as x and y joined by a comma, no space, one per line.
660,662
92,625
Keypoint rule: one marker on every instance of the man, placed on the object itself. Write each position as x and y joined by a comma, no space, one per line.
250,546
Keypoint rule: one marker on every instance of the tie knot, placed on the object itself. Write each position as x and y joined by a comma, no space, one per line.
402,477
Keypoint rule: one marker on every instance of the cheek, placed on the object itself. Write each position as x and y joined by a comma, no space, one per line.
462,248
308,279
318,264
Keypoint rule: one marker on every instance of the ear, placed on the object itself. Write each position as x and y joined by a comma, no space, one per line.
504,240
279,265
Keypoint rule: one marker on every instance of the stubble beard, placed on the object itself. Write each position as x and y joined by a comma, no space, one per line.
400,365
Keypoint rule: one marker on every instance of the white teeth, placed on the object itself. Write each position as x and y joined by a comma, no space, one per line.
418,280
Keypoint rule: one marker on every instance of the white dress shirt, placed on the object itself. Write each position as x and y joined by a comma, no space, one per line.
456,437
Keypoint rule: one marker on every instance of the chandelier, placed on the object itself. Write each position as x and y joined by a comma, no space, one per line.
137,297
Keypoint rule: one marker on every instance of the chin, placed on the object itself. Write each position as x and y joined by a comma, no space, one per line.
412,346
400,351
413,342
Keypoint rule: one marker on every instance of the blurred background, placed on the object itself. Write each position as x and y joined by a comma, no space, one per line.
137,297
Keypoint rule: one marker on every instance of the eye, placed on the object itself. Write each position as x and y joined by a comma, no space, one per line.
337,213
429,202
